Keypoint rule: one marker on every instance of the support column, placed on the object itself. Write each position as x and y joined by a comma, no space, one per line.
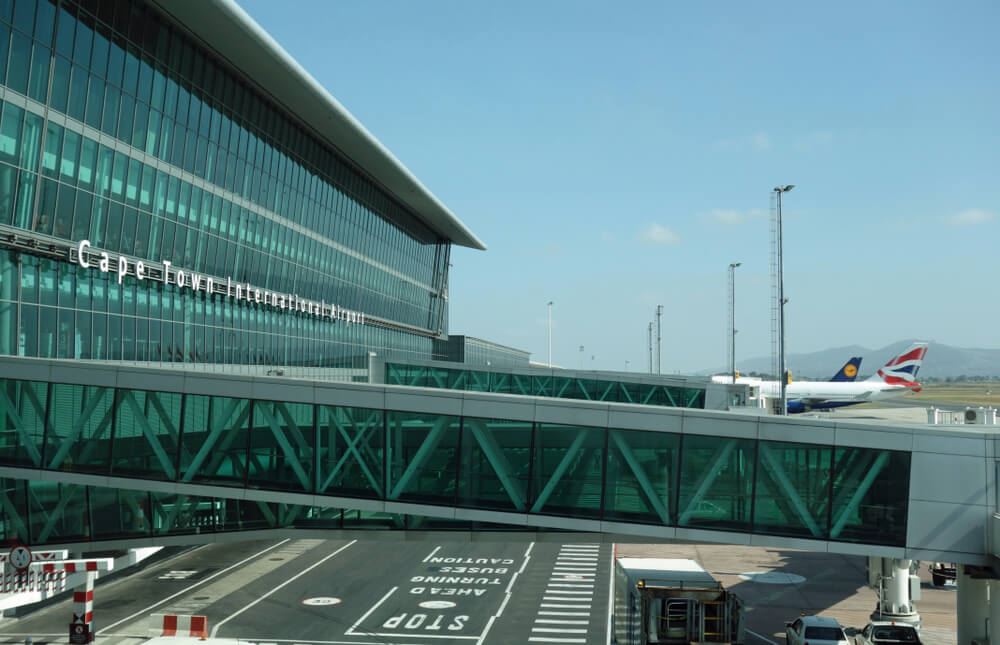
895,600
994,611
972,607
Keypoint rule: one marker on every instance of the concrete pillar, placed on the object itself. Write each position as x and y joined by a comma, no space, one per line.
896,601
973,607
994,612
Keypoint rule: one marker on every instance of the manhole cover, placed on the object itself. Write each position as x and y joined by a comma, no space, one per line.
437,604
773,578
321,601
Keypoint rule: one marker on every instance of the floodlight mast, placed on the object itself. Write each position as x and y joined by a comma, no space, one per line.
783,371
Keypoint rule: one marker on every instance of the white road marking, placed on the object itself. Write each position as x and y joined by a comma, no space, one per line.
572,592
547,639
350,630
563,613
558,621
431,555
507,595
558,630
763,638
557,605
570,584
215,630
611,587
145,611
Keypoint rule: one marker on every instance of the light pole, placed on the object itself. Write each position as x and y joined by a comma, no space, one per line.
659,314
649,335
550,333
627,362
581,356
783,376
732,318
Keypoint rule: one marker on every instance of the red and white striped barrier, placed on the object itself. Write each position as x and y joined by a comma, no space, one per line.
43,556
83,598
33,580
77,566
175,625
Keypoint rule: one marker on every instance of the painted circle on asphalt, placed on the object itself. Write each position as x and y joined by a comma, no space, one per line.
773,578
437,604
321,601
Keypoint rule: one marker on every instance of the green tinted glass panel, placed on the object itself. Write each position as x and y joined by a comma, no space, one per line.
793,489
180,514
118,513
282,442
422,454
870,493
642,474
495,464
79,436
22,421
147,434
566,473
216,431
351,450
58,512
14,510
716,482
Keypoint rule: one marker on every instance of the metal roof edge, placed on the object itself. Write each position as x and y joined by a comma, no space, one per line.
326,116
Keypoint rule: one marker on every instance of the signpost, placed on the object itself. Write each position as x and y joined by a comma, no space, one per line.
79,634
20,557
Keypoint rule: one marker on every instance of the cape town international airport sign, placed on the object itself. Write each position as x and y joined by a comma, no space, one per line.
122,266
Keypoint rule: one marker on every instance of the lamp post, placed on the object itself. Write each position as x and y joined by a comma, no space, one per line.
783,376
550,333
732,318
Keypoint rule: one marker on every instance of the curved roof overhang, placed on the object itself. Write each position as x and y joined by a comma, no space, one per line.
232,34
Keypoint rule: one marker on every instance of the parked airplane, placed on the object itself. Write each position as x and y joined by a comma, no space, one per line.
847,373
896,378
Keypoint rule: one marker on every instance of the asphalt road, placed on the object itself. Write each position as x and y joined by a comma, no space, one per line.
354,592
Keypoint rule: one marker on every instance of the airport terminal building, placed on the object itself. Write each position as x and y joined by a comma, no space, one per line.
175,189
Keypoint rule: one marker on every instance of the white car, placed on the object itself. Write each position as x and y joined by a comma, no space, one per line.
815,630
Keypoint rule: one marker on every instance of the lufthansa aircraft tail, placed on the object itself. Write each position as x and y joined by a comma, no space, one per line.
849,372
902,370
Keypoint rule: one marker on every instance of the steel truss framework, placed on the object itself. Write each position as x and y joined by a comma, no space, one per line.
242,447
548,385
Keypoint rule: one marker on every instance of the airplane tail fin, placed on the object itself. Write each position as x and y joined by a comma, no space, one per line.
902,370
849,372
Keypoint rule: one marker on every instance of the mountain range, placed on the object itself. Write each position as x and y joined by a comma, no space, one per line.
942,361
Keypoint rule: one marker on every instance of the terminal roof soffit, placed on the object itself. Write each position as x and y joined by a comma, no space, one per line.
235,36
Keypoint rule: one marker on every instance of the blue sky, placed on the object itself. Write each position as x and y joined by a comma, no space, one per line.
616,156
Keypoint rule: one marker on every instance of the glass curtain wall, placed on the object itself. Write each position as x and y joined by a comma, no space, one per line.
203,172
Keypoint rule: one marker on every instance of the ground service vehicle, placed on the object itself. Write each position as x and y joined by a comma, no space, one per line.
666,601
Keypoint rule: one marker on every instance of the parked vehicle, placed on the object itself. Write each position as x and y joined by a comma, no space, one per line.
888,633
941,572
672,601
815,630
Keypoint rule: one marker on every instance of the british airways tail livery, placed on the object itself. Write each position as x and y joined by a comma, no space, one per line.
896,378
849,372
902,370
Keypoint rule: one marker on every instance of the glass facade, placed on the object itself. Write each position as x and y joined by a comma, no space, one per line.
639,476
117,128
544,383
476,351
